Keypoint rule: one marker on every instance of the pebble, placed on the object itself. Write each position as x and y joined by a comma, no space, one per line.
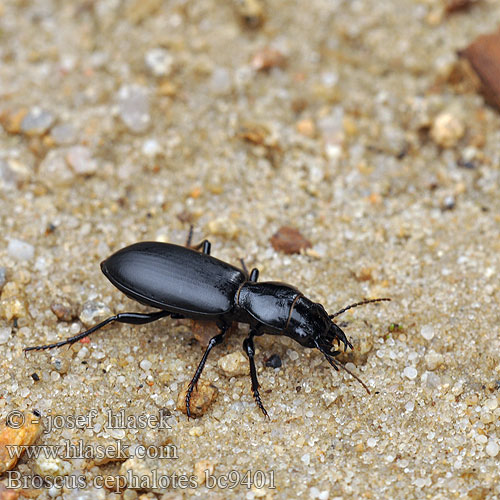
202,398
37,121
26,434
5,333
3,277
199,470
233,364
289,240
63,134
410,372
251,13
492,448
151,148
447,129
274,361
433,360
20,250
427,331
159,61
133,107
80,159
93,312
268,58
220,81
8,178
54,169
61,365
65,310
145,365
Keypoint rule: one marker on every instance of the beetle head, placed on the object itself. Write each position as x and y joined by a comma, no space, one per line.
311,326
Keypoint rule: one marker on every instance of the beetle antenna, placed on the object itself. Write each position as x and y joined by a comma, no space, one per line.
335,364
338,365
363,302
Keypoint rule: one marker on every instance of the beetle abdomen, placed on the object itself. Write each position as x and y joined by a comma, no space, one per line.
269,302
174,278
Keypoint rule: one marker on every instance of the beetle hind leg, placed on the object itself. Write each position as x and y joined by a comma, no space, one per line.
212,343
249,348
130,318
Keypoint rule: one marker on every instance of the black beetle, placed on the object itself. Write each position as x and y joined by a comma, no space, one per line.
185,283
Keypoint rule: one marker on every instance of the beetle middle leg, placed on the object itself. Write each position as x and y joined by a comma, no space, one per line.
211,344
249,348
130,318
205,245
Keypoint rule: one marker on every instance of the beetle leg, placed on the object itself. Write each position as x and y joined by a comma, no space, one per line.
254,275
130,318
213,342
249,348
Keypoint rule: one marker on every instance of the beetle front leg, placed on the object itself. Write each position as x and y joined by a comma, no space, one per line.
249,348
213,342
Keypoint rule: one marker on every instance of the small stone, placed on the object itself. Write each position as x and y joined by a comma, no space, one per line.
289,240
410,372
60,365
491,404
274,361
93,312
139,10
200,468
492,448
80,159
54,169
151,148
431,380
427,331
5,333
3,277
159,61
37,122
433,360
20,250
457,5
145,365
46,466
483,54
63,134
268,58
447,130
133,107
20,429
306,127
65,310
233,364
9,493
220,81
251,13
202,398
11,120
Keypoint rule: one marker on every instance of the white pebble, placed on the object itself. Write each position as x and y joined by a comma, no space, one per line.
410,372
5,334
371,442
20,249
293,355
306,459
159,61
427,331
145,365
492,448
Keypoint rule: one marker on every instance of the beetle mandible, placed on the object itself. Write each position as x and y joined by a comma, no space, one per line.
182,282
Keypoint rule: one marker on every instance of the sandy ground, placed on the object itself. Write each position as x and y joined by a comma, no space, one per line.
128,121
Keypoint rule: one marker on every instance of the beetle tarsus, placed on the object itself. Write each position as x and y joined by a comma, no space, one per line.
249,348
130,318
